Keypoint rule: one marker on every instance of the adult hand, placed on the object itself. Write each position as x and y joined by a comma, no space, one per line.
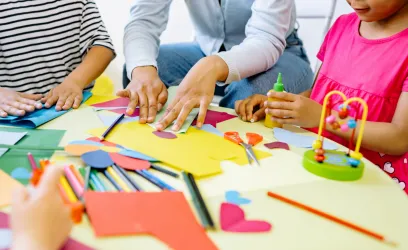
17,104
147,91
66,95
245,108
294,109
41,220
196,90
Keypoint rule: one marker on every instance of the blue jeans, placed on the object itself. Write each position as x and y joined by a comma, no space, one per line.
175,61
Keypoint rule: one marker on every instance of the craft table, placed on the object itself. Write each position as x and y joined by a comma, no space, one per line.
374,202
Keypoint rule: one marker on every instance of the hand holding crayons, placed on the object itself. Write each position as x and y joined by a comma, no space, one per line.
41,217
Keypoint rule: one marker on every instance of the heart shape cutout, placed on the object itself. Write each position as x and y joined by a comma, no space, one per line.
232,219
388,168
21,173
235,197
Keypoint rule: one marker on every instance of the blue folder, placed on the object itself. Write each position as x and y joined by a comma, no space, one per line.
37,117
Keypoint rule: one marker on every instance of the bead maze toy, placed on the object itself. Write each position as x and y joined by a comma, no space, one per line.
332,164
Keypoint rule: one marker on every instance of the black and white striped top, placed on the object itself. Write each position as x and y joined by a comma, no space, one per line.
43,41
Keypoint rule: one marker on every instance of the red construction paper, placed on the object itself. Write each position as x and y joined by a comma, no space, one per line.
119,102
106,143
165,135
214,117
232,219
123,111
277,144
166,215
129,163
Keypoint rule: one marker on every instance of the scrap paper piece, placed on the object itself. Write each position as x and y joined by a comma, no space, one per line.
197,152
7,186
78,149
154,213
232,219
37,117
235,197
9,138
277,144
118,105
103,86
300,141
21,173
211,129
107,120
97,159
214,117
129,163
165,135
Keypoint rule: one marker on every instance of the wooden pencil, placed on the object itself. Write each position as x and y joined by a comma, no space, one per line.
112,180
332,218
104,135
118,180
98,183
124,176
164,171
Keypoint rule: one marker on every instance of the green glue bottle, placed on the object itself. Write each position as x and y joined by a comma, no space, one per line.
277,87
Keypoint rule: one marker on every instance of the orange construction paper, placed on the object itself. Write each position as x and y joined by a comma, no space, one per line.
7,185
129,163
165,215
78,150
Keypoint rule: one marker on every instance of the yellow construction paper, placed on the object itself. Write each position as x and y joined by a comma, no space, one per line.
103,86
7,185
197,151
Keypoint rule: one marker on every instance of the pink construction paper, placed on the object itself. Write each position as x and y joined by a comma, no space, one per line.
123,111
165,135
277,144
214,117
120,102
232,219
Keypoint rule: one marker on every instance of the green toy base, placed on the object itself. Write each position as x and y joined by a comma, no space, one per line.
334,167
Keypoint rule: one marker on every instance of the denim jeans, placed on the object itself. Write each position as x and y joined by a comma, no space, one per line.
175,60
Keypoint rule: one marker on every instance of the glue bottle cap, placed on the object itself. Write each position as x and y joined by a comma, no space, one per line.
278,86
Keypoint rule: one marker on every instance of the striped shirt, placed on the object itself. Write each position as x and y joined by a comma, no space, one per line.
43,41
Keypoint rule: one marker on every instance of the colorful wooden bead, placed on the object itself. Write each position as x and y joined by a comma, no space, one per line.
335,125
319,158
331,119
343,114
317,144
352,124
341,107
355,155
344,127
353,162
319,151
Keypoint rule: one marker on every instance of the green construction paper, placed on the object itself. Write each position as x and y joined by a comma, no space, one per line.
17,158
172,91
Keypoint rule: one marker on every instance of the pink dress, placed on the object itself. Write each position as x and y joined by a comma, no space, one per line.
374,70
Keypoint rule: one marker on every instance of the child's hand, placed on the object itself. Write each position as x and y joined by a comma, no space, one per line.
17,104
245,108
40,220
66,95
294,109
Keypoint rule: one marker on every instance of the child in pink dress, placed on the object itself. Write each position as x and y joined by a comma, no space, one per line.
365,54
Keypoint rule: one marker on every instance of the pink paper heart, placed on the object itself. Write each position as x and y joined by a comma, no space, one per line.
232,219
277,144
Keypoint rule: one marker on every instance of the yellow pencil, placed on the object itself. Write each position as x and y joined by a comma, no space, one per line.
118,180
68,190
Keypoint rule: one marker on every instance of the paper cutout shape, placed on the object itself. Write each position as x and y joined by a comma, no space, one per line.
210,129
106,154
9,138
165,135
300,141
277,144
103,86
232,219
95,99
71,244
119,103
21,173
214,117
235,197
129,163
114,214
107,120
38,117
205,151
7,186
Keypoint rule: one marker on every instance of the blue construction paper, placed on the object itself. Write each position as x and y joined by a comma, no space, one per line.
21,173
86,142
234,197
107,120
137,155
211,129
97,159
38,117
300,141
5,238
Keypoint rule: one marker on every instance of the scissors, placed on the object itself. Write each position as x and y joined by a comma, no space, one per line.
253,139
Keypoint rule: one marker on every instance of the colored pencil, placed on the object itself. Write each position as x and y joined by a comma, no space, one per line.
332,218
155,180
104,135
125,177
78,176
68,190
130,179
201,214
63,194
118,180
71,185
200,200
27,147
112,180
73,181
164,171
142,174
98,183
32,161
87,176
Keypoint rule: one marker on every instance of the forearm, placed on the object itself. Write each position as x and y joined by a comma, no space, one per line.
93,65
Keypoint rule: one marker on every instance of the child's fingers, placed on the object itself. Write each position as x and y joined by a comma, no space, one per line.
3,113
237,104
279,105
202,113
77,101
280,113
283,96
61,102
20,195
134,100
34,97
242,109
50,180
11,110
22,106
258,115
68,102
29,102
249,107
51,101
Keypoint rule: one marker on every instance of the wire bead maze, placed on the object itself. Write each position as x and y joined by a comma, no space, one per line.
333,164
